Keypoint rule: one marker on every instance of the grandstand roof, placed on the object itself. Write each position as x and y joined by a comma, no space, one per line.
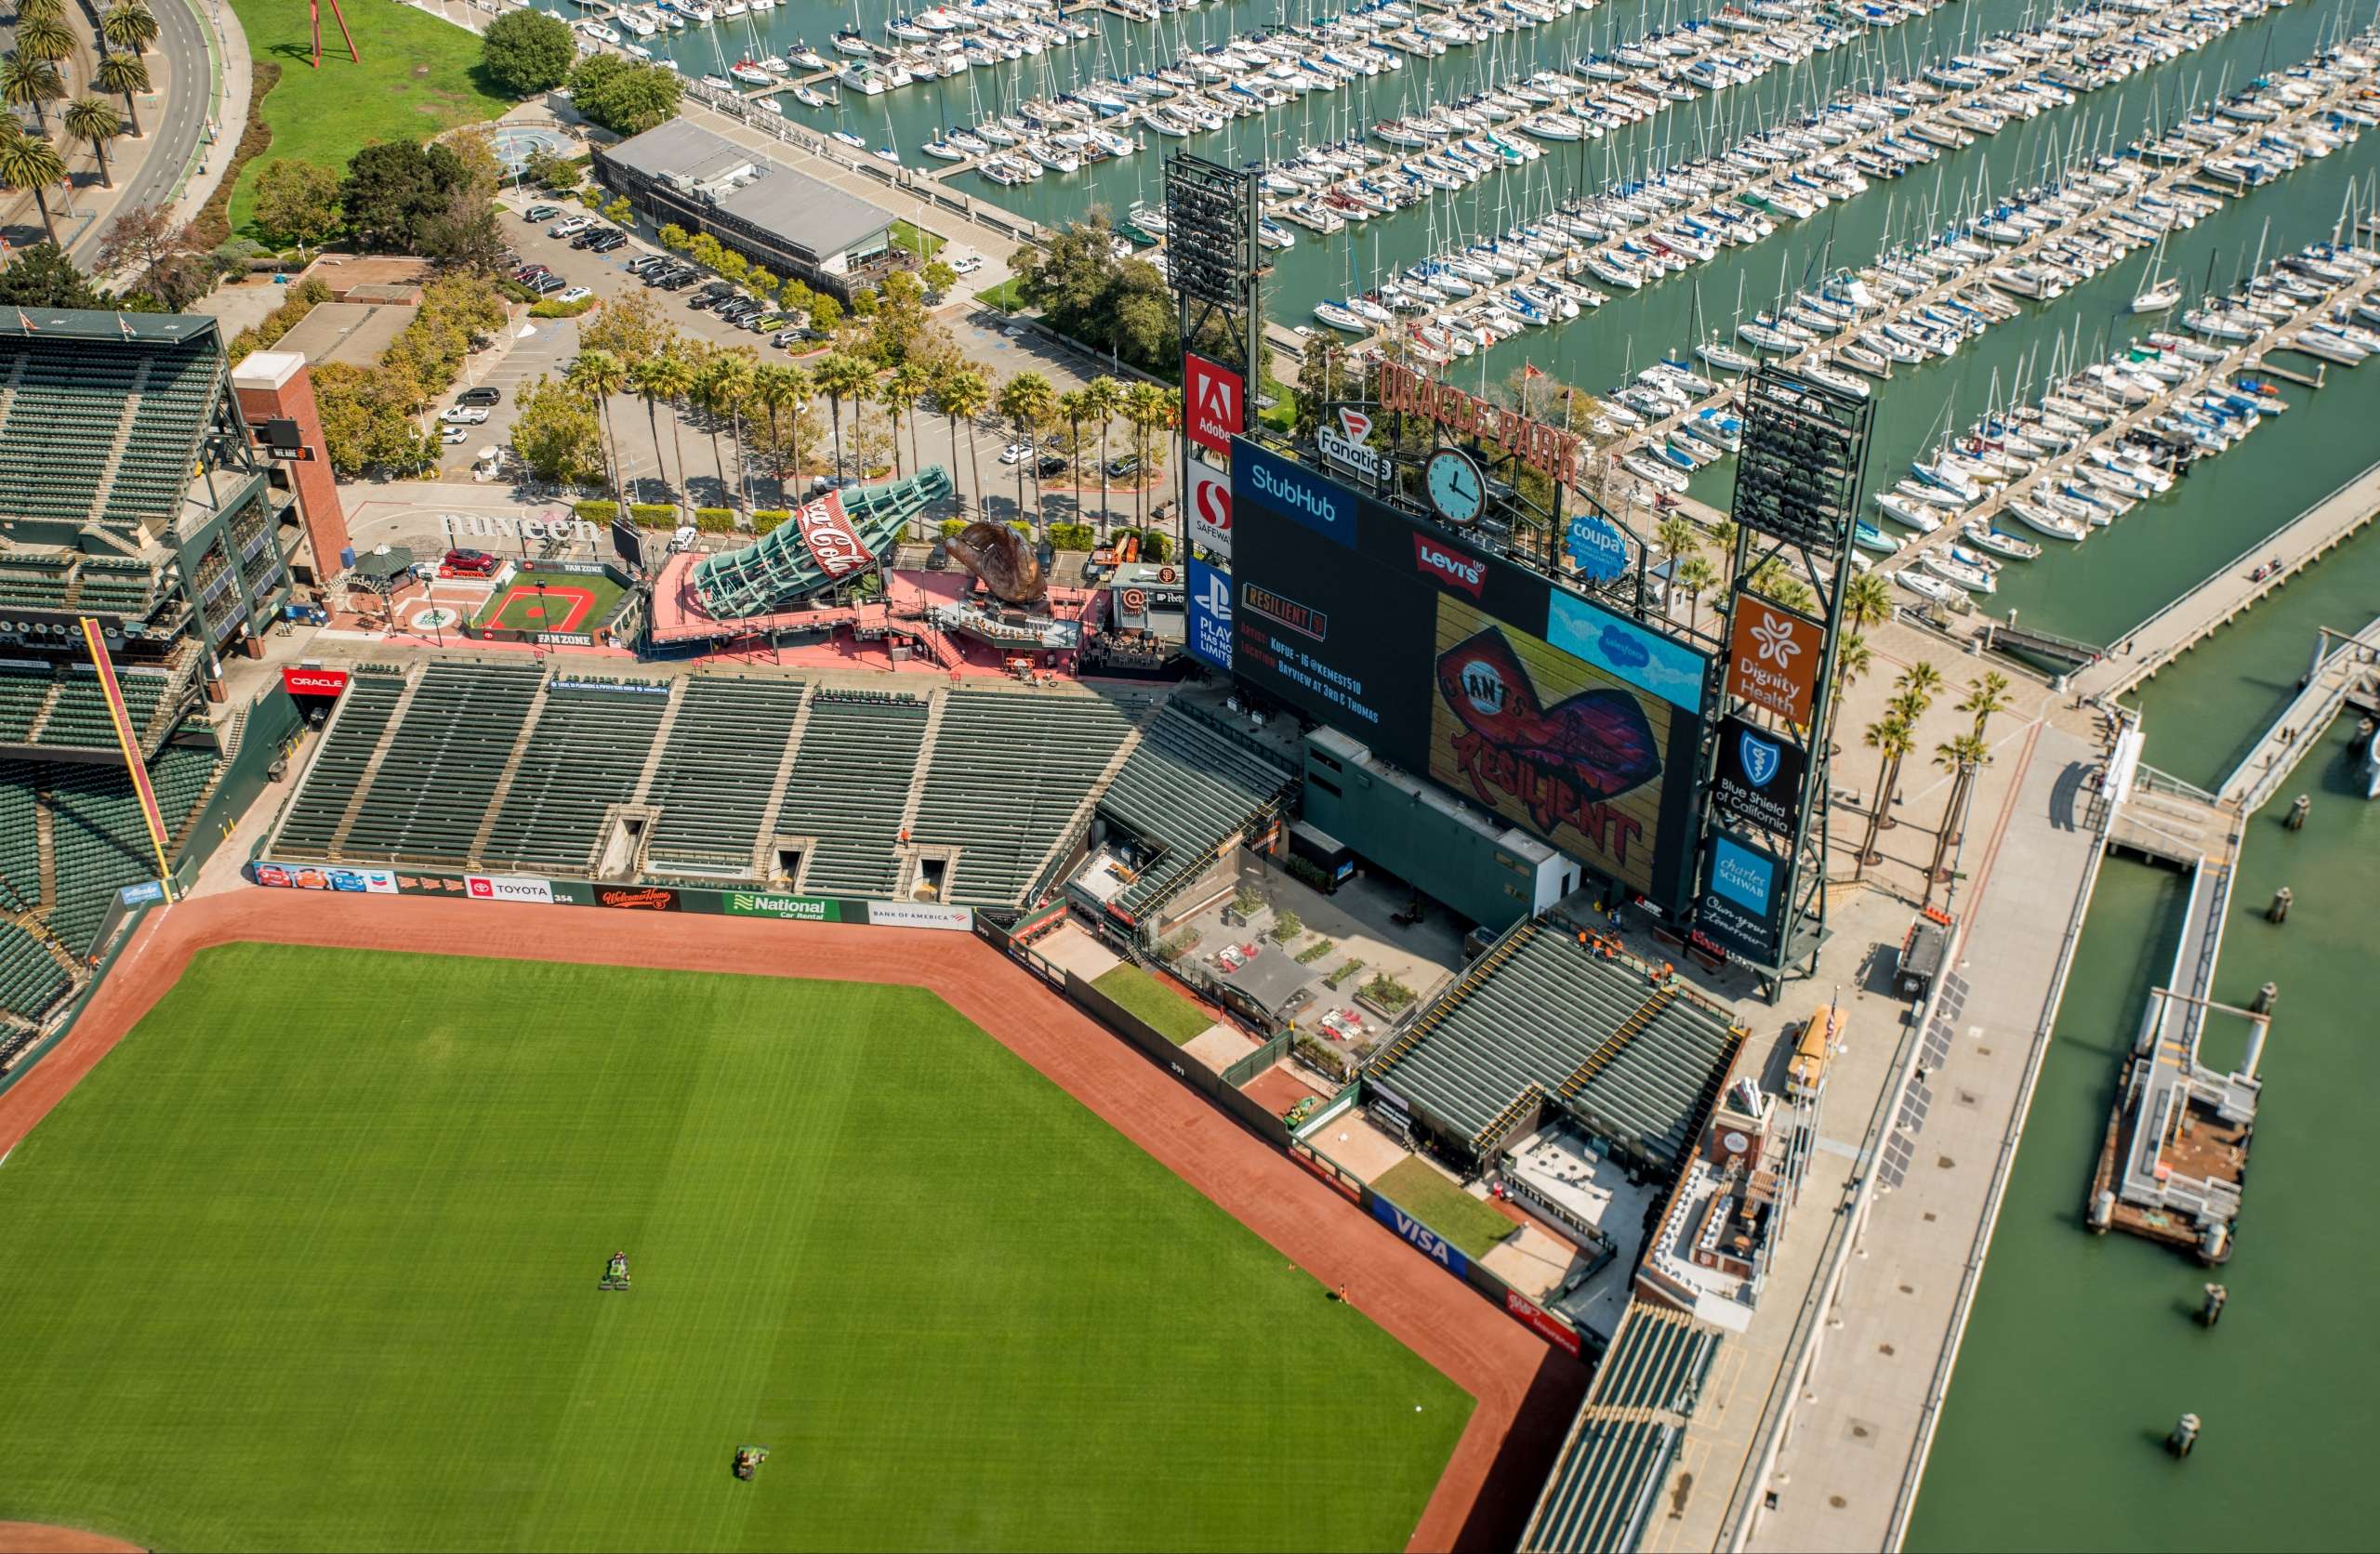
1543,1015
1607,1482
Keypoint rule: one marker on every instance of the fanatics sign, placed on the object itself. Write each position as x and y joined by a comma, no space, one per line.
1213,397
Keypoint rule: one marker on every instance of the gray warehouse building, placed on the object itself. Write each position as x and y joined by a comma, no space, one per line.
793,224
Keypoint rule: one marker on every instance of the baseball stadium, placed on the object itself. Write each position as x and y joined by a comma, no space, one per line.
861,1068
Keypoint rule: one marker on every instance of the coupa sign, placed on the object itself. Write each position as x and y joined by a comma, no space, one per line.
1427,1242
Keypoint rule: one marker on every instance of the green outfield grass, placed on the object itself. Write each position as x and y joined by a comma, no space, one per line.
514,606
310,1261
420,75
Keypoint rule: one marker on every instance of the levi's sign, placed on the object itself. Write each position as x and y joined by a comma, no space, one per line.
1548,450
1454,567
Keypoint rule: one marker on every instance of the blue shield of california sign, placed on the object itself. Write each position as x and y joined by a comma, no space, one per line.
1760,778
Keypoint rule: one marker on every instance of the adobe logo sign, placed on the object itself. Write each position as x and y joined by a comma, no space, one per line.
1213,399
1773,658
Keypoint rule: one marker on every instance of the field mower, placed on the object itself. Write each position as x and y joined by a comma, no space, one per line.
749,1460
615,1273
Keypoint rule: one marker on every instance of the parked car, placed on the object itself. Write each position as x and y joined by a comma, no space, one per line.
1016,453
676,279
454,435
575,294
480,396
548,283
969,265
529,273
464,415
1051,466
645,264
541,212
568,226
1129,464
470,563
605,241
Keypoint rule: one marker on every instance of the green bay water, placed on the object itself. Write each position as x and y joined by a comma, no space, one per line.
2083,1350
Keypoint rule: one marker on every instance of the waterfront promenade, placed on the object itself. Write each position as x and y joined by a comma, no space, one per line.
2231,590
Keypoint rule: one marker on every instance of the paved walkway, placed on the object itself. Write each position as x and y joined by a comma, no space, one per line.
1866,1412
2180,626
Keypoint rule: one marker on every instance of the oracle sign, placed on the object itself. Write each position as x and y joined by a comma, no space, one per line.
1211,509
1213,399
313,682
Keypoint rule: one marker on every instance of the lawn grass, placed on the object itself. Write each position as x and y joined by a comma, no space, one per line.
310,1261
911,238
520,597
1175,1017
1006,297
420,75
1424,1191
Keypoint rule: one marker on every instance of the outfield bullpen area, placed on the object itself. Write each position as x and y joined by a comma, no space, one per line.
318,1267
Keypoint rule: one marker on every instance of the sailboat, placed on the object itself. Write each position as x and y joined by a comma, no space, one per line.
2159,295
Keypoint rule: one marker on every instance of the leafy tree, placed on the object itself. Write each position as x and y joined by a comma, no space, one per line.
393,189
483,170
367,414
632,328
41,276
556,434
621,96
26,82
731,264
939,276
140,242
675,238
95,122
825,311
127,26
619,212
547,170
1084,290
297,201
526,52
864,303
125,73
464,234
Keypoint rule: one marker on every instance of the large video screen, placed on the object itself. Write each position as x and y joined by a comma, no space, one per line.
1570,721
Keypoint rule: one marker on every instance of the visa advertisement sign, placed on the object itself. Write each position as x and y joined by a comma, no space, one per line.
1292,492
1209,603
1427,1242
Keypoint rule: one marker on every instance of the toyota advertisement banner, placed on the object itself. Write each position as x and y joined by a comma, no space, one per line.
531,890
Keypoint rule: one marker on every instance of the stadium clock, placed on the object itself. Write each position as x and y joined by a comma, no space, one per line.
1456,489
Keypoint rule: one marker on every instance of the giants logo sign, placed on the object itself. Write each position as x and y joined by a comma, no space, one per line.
833,543
1451,567
1213,398
1209,509
1773,658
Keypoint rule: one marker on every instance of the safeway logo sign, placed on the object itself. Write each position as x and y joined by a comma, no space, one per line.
1773,658
1449,566
1209,509
1214,396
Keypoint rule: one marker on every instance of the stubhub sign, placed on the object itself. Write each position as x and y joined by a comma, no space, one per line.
1277,486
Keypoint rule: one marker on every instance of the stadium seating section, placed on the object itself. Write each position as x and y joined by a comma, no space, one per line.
1606,1488
61,708
103,436
71,837
991,784
1190,784
1541,1014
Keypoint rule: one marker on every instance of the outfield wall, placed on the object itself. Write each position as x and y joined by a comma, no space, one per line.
538,890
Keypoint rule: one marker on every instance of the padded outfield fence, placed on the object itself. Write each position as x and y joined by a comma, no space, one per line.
539,891
1160,1049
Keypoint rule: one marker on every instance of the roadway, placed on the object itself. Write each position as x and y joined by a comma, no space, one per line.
171,130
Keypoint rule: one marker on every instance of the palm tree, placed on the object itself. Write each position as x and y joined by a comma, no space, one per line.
1853,659
1676,535
29,163
1074,408
596,376
778,387
119,72
25,81
47,10
44,37
1962,757
1106,395
1986,694
1891,738
840,376
1144,411
962,394
657,379
1696,576
1919,682
127,26
1723,536
95,121
1866,601
1028,402
909,383
722,386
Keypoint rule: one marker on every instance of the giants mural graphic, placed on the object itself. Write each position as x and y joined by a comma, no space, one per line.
1549,741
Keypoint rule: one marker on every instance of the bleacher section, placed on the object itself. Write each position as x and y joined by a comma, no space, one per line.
584,754
24,691
1009,774
432,788
1606,1485
60,706
849,787
1187,786
1636,1064
718,773
354,735
31,980
69,406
